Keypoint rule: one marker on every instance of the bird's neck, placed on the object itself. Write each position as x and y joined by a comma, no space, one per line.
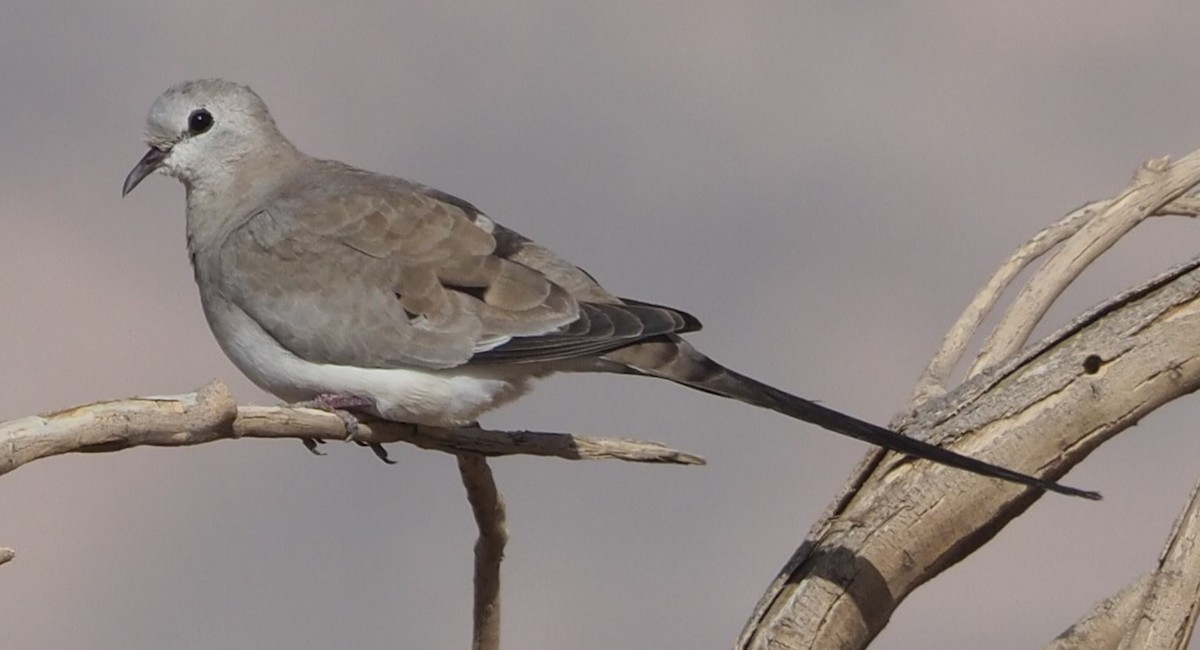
219,202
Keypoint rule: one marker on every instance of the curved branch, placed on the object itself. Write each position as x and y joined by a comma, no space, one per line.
899,522
933,382
1155,185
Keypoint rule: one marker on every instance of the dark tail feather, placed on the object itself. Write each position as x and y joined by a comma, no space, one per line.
688,367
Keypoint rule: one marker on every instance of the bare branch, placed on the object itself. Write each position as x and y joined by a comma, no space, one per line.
902,522
287,422
178,420
934,381
1105,625
488,508
898,522
1184,206
1157,183
1168,611
1157,612
211,414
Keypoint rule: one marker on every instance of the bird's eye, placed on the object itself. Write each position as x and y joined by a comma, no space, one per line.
199,121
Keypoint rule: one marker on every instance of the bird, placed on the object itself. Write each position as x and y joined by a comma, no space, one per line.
373,295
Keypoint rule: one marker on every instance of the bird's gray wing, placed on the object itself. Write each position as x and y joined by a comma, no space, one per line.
376,272
371,271
605,321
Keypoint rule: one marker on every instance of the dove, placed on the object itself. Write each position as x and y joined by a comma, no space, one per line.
367,293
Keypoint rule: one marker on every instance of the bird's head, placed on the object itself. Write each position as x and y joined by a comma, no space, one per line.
198,132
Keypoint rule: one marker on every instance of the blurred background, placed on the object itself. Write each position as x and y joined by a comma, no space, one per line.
824,184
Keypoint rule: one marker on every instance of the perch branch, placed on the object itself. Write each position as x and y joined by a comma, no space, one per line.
211,414
488,507
287,422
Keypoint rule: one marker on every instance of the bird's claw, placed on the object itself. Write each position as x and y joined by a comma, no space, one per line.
338,405
311,445
380,452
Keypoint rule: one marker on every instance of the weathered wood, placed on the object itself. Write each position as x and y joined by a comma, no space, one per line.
898,523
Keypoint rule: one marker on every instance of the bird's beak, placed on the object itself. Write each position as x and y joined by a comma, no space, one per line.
144,168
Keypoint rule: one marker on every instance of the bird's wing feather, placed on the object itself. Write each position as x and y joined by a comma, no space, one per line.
371,271
600,328
377,272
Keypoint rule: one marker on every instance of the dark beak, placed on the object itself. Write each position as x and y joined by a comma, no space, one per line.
144,168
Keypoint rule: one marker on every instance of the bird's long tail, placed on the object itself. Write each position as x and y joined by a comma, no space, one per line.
678,361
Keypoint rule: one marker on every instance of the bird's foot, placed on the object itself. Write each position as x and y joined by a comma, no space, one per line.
338,405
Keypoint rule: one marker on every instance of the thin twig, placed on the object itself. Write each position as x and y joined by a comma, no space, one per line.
1187,205
488,507
935,380
1157,183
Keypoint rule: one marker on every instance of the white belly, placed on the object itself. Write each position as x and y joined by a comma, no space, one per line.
452,397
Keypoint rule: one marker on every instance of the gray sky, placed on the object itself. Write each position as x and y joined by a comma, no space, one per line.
824,185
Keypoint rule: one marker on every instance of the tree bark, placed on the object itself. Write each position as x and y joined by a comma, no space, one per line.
1039,409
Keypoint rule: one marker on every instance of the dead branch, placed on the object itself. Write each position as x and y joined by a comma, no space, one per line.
1104,626
899,523
934,381
1168,609
1156,612
1155,185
